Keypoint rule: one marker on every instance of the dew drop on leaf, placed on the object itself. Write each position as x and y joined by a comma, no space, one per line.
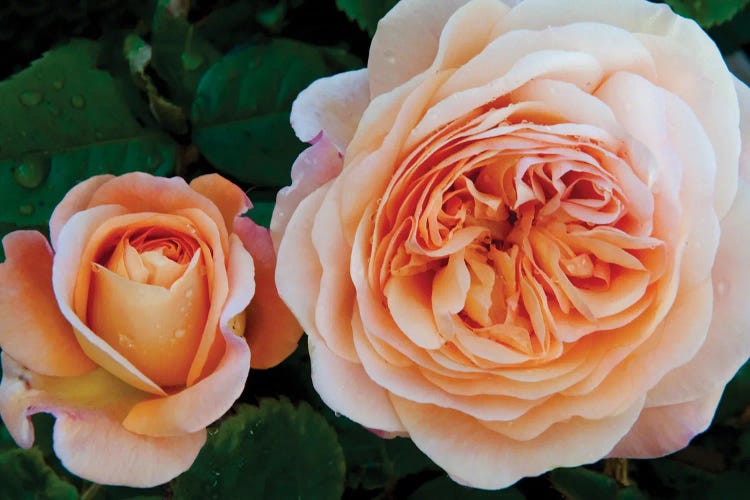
30,98
58,84
31,172
77,101
26,209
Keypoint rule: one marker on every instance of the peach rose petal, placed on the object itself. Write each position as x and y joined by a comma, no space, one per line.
227,196
718,115
214,394
314,167
75,200
332,106
660,430
271,330
728,341
34,332
300,293
139,192
406,42
88,411
67,262
158,329
346,388
481,458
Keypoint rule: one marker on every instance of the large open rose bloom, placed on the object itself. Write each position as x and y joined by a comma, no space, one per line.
519,235
135,333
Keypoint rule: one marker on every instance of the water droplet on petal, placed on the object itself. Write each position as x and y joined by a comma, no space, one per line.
78,102
178,334
125,341
188,294
30,98
31,172
721,288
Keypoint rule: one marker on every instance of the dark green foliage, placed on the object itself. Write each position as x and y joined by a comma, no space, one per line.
64,121
445,489
708,12
241,110
274,450
366,13
25,476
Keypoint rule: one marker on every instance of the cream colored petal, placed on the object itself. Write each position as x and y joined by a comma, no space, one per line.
332,106
475,456
345,388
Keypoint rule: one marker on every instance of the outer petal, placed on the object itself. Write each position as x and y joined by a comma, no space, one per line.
75,200
406,41
271,330
475,456
333,106
227,196
346,388
88,436
663,429
32,329
314,167
728,343
197,406
139,192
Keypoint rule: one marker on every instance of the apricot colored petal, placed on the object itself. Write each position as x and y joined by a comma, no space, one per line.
88,436
32,329
298,270
661,430
157,329
314,167
406,42
90,440
75,200
227,196
67,263
475,456
199,405
702,60
346,388
332,106
130,459
204,402
271,329
728,343
140,192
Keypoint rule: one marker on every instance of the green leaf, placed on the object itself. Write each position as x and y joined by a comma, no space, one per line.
241,111
729,484
63,121
273,450
180,54
443,488
366,13
25,476
373,462
688,481
708,13
261,212
581,483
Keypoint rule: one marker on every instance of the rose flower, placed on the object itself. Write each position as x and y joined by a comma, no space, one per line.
519,234
135,333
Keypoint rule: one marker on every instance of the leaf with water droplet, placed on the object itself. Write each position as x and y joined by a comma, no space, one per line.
32,171
66,123
30,98
273,450
78,101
